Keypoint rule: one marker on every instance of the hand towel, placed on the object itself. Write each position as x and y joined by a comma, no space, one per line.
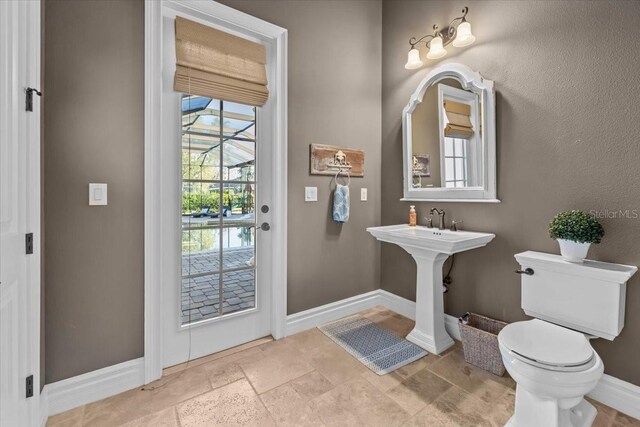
341,204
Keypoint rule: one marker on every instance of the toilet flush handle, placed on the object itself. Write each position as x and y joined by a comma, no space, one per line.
527,271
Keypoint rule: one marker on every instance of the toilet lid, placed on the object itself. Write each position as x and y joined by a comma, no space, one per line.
547,343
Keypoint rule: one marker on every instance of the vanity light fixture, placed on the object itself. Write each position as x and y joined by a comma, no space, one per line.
457,33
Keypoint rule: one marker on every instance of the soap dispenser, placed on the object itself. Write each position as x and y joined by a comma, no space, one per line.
412,216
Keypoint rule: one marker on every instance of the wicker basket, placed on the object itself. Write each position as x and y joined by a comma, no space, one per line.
480,342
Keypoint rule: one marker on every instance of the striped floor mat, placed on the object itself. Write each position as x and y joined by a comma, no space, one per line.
375,347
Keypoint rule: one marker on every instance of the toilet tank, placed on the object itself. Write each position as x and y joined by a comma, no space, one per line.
588,297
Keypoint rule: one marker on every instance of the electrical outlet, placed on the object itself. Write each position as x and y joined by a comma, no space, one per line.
363,194
310,194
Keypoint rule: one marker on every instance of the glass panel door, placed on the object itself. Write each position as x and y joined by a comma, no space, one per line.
217,267
218,208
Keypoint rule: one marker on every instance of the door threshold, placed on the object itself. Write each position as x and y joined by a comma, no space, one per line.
205,359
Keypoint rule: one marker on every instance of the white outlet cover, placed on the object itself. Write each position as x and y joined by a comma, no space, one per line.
363,194
310,194
97,194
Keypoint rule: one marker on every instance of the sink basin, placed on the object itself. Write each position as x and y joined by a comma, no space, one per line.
444,241
430,248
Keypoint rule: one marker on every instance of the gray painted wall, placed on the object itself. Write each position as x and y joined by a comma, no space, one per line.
334,98
567,123
93,132
557,149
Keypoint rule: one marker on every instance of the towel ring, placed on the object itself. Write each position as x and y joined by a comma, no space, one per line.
348,176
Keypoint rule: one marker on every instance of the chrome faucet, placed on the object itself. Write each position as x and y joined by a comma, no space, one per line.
441,215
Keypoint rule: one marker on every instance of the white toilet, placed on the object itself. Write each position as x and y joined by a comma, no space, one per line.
550,357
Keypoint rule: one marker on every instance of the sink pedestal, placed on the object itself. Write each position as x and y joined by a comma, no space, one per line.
429,332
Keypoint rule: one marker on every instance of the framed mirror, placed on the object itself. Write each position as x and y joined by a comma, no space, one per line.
449,138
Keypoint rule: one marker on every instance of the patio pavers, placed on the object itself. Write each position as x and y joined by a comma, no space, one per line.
200,294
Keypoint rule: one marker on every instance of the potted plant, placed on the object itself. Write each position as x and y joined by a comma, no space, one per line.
575,231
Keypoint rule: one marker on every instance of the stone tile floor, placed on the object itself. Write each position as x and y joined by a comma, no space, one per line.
308,380
200,295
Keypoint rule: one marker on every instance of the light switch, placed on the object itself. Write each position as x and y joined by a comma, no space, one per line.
310,194
363,194
97,194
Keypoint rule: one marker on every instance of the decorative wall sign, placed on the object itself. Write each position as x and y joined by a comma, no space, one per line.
329,160
421,165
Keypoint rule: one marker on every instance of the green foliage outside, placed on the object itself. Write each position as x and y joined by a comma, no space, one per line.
195,201
198,196
577,226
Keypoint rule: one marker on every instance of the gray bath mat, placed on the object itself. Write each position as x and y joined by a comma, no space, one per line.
376,348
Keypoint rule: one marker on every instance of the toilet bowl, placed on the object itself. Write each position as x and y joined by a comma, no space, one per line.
550,357
554,368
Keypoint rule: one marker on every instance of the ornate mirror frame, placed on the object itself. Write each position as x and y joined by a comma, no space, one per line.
474,82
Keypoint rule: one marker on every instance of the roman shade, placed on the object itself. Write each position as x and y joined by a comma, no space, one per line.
459,117
219,65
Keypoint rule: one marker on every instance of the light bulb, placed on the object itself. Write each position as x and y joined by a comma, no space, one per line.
436,50
463,35
413,60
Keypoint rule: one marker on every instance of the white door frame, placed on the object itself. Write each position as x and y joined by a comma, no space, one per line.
154,281
20,68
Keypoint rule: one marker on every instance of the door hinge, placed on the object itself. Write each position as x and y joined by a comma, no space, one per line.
29,100
30,386
29,243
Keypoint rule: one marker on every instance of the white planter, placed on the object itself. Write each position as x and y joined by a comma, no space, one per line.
573,251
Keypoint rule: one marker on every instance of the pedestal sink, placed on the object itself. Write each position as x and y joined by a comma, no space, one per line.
430,248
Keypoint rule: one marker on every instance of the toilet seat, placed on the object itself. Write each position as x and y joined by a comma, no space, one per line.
548,346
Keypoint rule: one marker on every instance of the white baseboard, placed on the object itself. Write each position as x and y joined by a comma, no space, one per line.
397,304
43,406
451,325
317,316
86,388
620,395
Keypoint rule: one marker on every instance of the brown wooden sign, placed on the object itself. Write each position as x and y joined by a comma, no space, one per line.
329,159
